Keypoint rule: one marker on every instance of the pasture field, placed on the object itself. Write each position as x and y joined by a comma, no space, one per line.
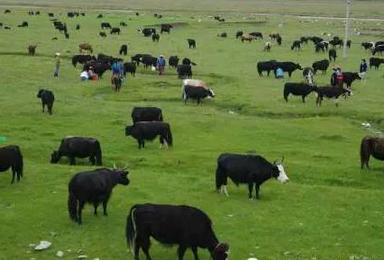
330,209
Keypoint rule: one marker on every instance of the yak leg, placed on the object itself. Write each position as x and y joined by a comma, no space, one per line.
95,205
50,109
145,243
13,174
194,251
105,202
43,105
257,188
303,98
81,206
181,251
250,189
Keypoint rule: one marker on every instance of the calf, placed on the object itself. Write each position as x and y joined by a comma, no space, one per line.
166,28
184,71
288,66
93,187
47,99
253,170
296,45
149,130
11,157
375,62
267,66
146,114
191,43
148,31
123,49
332,55
155,37
197,93
32,50
115,30
186,226
130,67
321,65
349,77
333,92
297,89
106,25
239,34
81,147
173,61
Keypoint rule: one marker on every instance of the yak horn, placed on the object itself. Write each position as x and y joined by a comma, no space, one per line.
125,167
114,166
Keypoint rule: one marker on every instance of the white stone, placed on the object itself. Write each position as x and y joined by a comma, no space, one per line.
43,245
60,254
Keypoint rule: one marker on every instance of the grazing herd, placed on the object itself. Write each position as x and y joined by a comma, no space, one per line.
184,226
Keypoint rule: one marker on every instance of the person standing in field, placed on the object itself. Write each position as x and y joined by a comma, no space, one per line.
339,77
57,65
160,64
363,69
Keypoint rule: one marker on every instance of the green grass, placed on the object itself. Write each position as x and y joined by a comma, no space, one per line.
330,210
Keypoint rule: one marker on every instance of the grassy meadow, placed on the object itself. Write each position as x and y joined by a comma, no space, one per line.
330,209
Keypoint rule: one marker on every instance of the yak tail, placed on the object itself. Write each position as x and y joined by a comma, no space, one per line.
364,151
19,163
99,160
161,116
72,206
169,137
130,231
219,176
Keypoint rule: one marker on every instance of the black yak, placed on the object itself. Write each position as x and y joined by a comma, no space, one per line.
253,170
149,130
93,187
185,226
11,157
80,147
47,99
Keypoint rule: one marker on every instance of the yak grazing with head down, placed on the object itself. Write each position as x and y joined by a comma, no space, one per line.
185,226
149,130
371,146
94,187
253,170
11,157
78,147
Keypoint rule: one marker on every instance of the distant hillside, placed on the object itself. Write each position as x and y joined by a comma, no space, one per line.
361,8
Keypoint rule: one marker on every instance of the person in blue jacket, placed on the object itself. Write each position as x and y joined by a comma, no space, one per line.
160,64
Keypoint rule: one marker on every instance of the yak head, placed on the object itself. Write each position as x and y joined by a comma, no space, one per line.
279,172
220,252
40,93
210,92
298,66
121,175
55,157
128,130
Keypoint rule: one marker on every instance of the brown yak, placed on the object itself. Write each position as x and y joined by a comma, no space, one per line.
85,47
371,146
